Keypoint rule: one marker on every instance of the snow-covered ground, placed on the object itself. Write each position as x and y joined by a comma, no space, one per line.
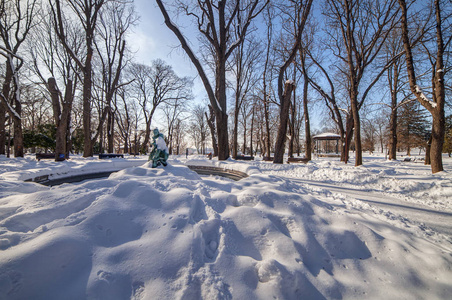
323,230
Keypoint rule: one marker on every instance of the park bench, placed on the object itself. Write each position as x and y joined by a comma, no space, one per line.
297,160
243,157
268,158
40,156
110,155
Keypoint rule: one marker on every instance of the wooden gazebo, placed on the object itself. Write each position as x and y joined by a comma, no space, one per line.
327,144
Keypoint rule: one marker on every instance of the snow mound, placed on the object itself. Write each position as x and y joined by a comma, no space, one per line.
164,233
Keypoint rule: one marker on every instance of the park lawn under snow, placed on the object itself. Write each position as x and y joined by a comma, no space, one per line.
314,231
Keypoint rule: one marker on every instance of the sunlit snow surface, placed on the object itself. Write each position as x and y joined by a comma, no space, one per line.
315,231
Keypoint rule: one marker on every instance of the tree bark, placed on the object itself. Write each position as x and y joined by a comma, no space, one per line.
87,86
110,131
292,122
217,30
2,130
283,121
3,110
62,118
307,124
349,126
236,127
393,133
252,132
211,124
436,107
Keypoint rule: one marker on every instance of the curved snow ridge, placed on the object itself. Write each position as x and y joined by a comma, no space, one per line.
163,233
69,168
229,164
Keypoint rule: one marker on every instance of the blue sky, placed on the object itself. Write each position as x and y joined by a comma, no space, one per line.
151,39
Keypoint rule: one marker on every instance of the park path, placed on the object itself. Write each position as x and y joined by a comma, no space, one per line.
421,215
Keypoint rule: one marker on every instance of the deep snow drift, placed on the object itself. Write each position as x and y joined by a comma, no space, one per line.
293,231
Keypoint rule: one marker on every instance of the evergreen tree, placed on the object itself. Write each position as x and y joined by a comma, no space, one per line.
413,127
447,147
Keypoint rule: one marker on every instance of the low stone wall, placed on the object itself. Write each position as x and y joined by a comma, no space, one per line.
208,170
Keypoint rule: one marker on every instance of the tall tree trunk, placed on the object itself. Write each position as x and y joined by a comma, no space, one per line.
223,139
110,131
18,136
436,107
428,148
393,116
267,124
267,140
126,143
348,138
236,126
2,130
283,120
252,132
16,116
69,133
221,114
393,134
87,85
211,123
357,133
292,123
439,120
61,118
147,136
3,110
307,125
244,137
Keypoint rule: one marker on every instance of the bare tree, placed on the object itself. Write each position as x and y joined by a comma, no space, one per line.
269,15
330,93
245,66
155,85
114,22
87,12
48,56
435,105
369,135
123,117
16,21
215,23
173,110
178,136
213,132
36,109
362,27
394,46
62,116
198,127
285,87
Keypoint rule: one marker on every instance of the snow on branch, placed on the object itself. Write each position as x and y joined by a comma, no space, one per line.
10,109
420,94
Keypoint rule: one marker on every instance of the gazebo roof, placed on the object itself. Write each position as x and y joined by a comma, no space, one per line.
327,136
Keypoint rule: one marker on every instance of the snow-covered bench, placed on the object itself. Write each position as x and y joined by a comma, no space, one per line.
40,156
297,160
110,155
243,157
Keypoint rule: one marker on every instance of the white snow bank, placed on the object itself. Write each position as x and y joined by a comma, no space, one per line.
164,233
29,168
229,164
